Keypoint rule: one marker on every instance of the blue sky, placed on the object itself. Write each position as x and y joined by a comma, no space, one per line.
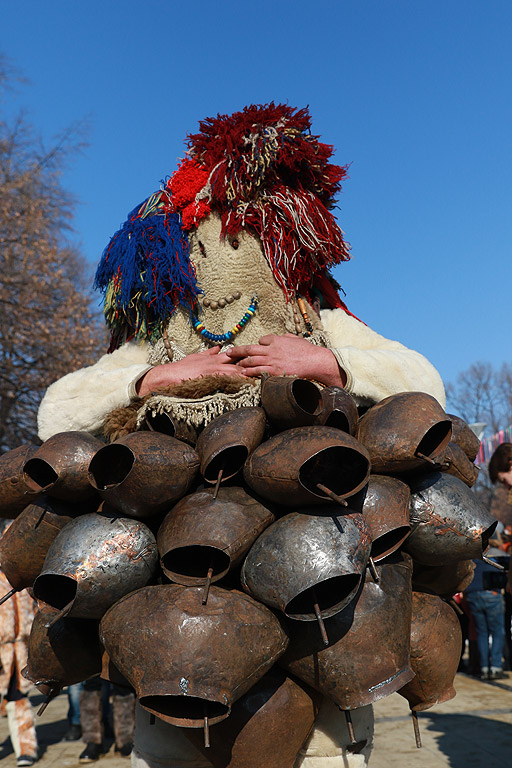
414,94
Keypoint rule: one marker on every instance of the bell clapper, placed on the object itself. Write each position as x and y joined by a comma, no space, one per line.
416,726
60,614
152,719
350,726
206,727
51,695
426,458
488,561
455,607
207,585
373,570
7,596
217,484
331,495
319,618
40,519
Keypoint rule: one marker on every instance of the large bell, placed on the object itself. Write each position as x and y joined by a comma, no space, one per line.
94,562
443,580
188,661
307,465
170,425
339,410
464,436
24,545
60,466
15,493
368,653
65,653
436,645
226,442
143,473
307,559
448,521
386,510
202,532
252,736
290,401
404,432
456,463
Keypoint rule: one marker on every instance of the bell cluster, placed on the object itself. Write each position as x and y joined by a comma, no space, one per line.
297,550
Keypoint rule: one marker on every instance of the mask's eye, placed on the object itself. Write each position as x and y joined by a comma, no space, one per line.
235,244
202,249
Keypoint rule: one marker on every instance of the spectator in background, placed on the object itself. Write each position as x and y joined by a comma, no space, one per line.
16,616
484,597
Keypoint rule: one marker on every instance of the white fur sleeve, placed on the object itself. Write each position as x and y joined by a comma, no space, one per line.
377,367
81,400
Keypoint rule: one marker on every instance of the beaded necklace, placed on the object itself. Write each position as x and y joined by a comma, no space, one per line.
222,337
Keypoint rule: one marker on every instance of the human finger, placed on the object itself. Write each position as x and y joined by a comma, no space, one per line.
245,350
269,339
260,369
253,361
210,351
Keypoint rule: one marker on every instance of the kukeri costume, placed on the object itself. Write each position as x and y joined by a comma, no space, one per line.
236,245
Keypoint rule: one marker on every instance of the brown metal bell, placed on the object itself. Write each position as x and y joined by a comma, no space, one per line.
339,410
143,473
448,521
185,660
169,425
15,494
290,401
94,562
463,435
66,653
436,644
443,580
307,559
456,463
24,545
404,432
60,466
227,441
386,511
368,653
203,532
267,726
288,468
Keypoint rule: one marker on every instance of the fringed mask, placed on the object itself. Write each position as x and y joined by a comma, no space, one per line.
261,170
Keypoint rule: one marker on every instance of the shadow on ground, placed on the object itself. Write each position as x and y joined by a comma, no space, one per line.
483,738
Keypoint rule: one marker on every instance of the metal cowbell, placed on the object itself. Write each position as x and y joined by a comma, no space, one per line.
60,466
169,425
404,432
226,442
26,542
464,437
443,580
203,532
367,657
307,465
290,401
456,463
143,473
339,410
306,559
188,661
15,493
98,558
436,643
386,510
448,521
63,654
252,736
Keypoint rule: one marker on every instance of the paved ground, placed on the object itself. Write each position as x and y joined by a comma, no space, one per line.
473,730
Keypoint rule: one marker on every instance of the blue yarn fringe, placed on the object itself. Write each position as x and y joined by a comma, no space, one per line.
145,273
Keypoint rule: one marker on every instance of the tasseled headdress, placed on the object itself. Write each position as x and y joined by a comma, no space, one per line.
260,169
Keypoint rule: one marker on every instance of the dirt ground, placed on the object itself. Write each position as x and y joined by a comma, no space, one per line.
473,730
